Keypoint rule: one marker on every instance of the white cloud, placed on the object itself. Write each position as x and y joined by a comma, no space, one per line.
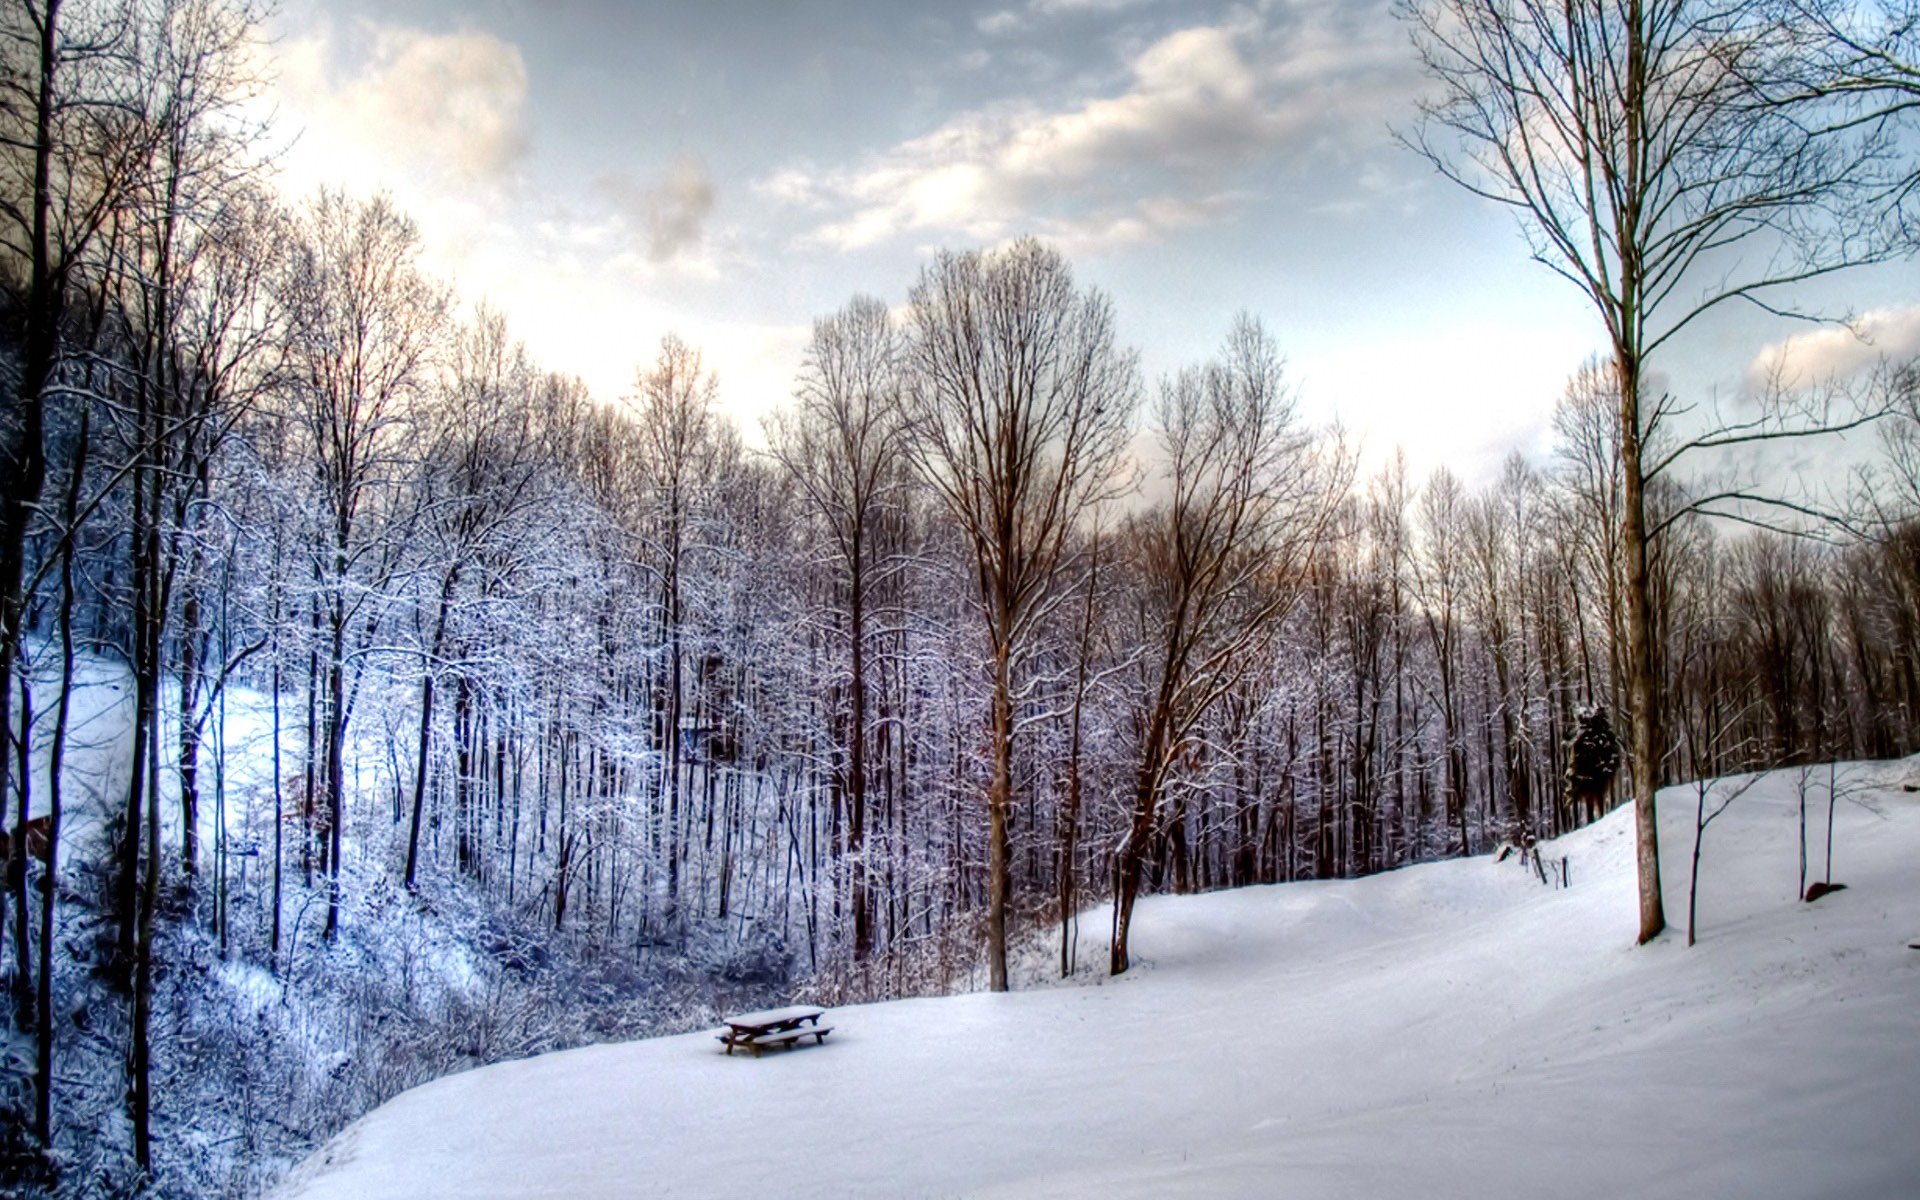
1144,222
451,103
1198,107
1838,353
1006,20
796,185
1001,22
1060,6
438,121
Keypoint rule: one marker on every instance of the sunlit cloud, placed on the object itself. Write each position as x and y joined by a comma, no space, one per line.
437,121
1198,107
1144,222
452,104
1838,353
590,275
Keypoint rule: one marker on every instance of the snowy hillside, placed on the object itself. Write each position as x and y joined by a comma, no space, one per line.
1451,1030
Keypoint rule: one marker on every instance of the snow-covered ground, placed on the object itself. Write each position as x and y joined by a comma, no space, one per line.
236,757
1449,1030
99,743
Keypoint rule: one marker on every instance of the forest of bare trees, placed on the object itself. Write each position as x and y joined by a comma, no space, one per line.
378,702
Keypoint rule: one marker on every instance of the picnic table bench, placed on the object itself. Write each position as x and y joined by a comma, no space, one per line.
775,1027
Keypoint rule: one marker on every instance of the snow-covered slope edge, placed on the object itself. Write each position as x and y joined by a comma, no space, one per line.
1449,1030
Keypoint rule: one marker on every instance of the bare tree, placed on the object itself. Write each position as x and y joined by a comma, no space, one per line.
1496,526
1645,152
70,149
685,450
362,322
1220,561
1440,585
477,473
1018,416
841,444
1586,445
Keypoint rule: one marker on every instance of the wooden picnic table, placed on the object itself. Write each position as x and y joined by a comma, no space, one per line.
774,1027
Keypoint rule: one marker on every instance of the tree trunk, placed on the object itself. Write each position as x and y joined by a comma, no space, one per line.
16,881
999,804
279,795
1070,809
1133,852
1641,696
140,1059
56,758
857,764
189,730
25,473
336,731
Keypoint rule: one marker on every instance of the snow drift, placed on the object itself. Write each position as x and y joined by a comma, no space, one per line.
1449,1030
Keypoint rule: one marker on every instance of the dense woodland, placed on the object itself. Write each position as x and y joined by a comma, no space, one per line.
436,711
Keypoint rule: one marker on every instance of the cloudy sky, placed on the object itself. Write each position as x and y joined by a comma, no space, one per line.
610,172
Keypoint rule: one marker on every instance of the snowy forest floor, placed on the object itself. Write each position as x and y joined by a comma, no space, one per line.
254,1069
1454,1029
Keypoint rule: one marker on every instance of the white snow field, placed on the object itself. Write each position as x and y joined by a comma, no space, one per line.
1448,1030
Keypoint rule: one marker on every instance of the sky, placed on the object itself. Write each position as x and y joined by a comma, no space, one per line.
607,173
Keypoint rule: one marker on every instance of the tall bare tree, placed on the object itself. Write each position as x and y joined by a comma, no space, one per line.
841,444
1646,149
685,449
477,473
362,325
69,154
1019,412
1440,584
1220,561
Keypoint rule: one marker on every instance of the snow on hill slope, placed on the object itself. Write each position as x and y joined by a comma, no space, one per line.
1448,1030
